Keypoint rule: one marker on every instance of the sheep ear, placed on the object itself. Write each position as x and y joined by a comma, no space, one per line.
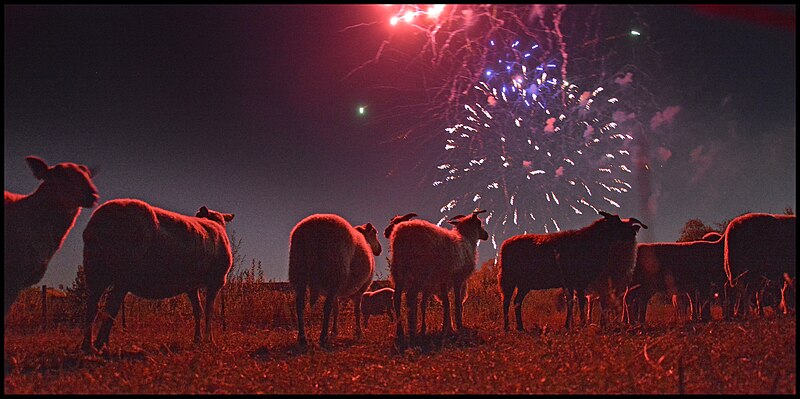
605,214
228,216
634,220
369,227
203,212
38,166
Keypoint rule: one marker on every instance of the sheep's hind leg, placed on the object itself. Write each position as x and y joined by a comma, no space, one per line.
194,299
300,307
447,323
397,302
211,295
426,297
326,316
91,314
521,292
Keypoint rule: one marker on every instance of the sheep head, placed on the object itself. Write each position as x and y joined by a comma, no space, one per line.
369,232
71,183
214,216
395,220
470,226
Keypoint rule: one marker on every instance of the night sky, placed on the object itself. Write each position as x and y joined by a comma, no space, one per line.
252,110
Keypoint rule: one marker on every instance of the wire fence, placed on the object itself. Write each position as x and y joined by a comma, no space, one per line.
238,306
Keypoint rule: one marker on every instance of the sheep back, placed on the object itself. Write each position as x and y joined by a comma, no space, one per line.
672,267
424,252
377,302
328,255
762,244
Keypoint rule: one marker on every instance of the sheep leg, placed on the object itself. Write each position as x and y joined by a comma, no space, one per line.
447,324
300,307
506,304
426,297
194,299
459,302
357,310
569,293
326,316
411,307
335,310
521,292
113,303
397,302
366,320
91,313
9,297
582,305
211,295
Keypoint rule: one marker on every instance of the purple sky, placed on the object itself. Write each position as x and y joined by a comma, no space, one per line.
250,110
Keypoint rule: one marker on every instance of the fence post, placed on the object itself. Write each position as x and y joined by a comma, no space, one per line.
44,307
222,311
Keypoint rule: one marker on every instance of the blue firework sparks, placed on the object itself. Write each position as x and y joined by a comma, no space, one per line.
537,151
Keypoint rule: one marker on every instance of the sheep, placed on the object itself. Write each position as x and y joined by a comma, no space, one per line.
152,253
330,257
428,259
673,268
574,260
374,303
36,225
758,245
395,220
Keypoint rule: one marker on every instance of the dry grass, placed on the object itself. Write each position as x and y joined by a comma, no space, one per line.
258,354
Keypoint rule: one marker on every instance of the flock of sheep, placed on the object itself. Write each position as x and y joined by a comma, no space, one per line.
155,253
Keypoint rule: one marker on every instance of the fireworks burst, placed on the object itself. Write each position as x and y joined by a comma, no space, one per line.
537,151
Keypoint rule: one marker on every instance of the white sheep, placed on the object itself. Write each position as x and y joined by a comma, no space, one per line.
758,245
375,303
152,253
429,259
35,225
576,260
674,268
330,257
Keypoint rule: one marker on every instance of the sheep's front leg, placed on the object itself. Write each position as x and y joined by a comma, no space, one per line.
569,297
194,299
112,304
459,299
411,307
582,312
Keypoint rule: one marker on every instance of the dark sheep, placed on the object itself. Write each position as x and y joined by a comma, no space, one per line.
575,260
35,225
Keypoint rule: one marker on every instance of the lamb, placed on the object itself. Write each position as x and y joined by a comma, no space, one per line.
374,303
758,245
674,268
429,259
35,225
152,253
574,260
330,257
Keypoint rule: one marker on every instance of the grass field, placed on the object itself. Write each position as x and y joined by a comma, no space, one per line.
257,353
